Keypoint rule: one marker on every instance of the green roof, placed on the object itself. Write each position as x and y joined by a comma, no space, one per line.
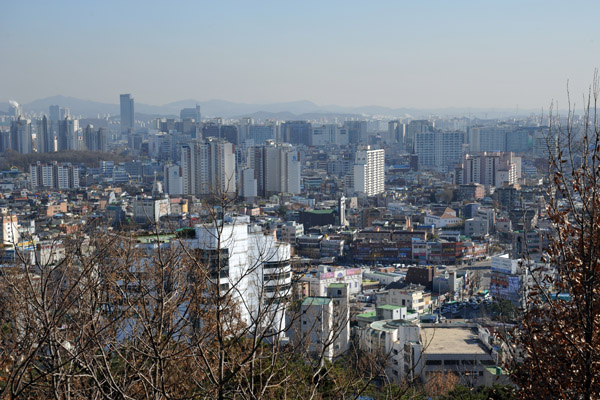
337,285
316,301
154,238
389,307
369,314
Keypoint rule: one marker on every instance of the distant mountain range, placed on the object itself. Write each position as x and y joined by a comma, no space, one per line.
302,109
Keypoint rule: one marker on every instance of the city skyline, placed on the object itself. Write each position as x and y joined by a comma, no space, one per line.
459,54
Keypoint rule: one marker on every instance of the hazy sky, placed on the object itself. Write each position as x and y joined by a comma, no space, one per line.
413,53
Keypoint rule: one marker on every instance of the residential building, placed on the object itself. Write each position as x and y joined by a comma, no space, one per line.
55,175
325,321
369,171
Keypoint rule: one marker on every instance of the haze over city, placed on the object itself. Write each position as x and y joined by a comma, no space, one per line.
299,200
395,54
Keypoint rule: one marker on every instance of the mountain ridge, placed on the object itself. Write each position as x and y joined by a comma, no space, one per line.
230,109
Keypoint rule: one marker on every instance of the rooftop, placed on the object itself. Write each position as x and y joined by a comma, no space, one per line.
337,285
389,307
316,301
451,340
369,314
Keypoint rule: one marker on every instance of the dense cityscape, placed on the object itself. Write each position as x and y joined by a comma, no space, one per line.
404,238
299,200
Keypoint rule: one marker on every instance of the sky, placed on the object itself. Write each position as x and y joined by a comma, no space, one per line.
419,54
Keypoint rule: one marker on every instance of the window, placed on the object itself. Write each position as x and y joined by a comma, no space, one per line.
339,292
433,362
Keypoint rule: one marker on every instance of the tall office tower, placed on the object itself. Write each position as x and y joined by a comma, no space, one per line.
127,113
261,133
188,126
324,135
64,113
396,132
369,171
517,141
439,150
488,138
55,113
297,132
329,134
357,131
15,110
45,138
210,129
191,113
412,129
245,124
230,133
20,135
68,134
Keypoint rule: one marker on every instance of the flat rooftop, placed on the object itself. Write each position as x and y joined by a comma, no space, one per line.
451,341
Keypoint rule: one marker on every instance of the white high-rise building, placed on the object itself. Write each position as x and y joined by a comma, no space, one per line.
173,182
255,271
10,230
369,171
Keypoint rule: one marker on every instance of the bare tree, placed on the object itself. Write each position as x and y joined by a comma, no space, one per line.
556,351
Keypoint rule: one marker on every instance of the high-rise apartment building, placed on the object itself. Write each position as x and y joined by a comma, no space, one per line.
439,150
20,135
127,113
488,138
94,140
44,136
69,137
276,169
492,169
55,175
208,168
369,171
